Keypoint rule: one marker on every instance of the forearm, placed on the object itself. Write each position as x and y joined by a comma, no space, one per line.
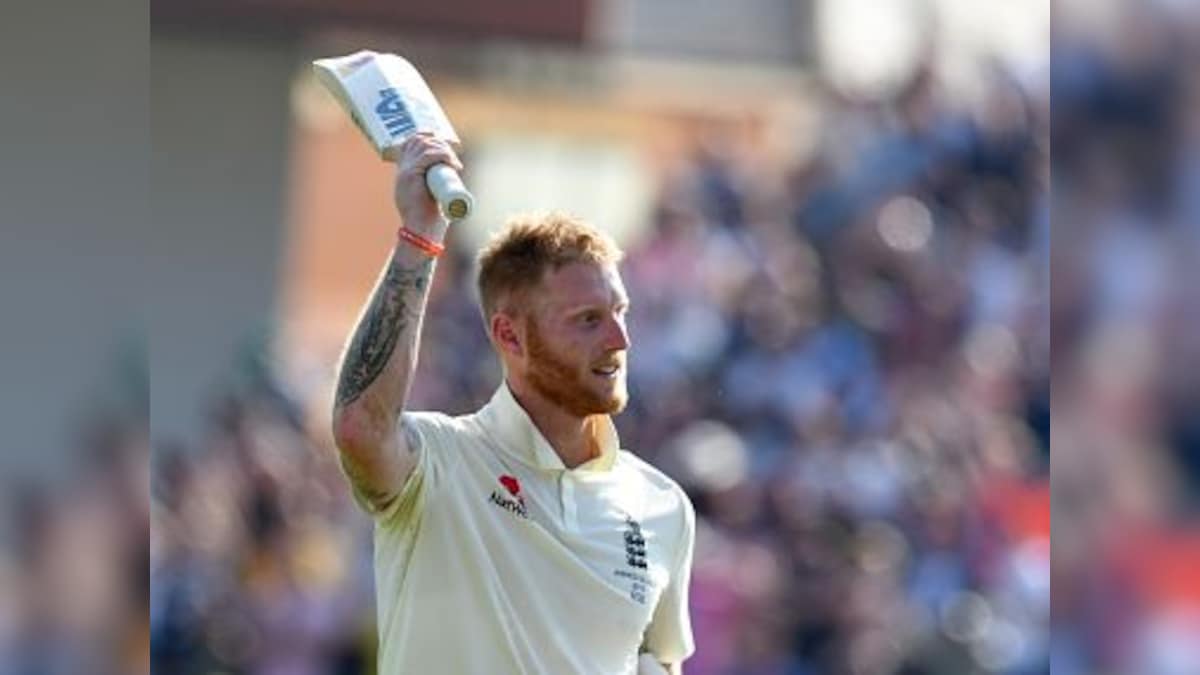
378,365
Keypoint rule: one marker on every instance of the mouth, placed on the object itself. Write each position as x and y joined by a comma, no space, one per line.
609,371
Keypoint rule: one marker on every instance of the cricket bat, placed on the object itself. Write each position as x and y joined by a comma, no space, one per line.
389,101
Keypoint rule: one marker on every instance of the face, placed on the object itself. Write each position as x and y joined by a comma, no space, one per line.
576,340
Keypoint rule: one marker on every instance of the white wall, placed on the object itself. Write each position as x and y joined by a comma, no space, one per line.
219,156
771,31
73,116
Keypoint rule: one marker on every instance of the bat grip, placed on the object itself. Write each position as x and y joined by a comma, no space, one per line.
447,188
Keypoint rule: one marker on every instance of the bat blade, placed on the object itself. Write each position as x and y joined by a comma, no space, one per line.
388,99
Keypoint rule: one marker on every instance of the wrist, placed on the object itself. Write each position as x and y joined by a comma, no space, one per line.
432,229
431,248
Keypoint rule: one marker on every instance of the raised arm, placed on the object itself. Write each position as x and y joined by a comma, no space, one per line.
379,361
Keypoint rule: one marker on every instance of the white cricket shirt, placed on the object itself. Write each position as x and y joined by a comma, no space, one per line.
495,558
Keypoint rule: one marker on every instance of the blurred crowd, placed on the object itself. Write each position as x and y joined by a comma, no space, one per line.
844,360
74,564
848,370
1125,317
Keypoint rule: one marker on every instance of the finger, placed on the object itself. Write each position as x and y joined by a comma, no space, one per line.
455,163
435,158
415,141
445,147
415,144
438,154
413,151
412,148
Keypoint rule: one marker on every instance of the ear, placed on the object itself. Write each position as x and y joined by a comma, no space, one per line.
507,335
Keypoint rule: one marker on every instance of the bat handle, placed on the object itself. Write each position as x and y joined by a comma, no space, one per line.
447,188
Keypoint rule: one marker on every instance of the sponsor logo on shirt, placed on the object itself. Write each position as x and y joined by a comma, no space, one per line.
511,499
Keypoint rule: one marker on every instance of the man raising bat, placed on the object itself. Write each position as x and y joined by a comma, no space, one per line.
520,538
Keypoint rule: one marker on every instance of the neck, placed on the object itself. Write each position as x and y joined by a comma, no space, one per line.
572,437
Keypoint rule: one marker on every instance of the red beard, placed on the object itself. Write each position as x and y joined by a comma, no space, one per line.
559,382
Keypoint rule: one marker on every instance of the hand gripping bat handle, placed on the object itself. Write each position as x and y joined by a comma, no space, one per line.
447,188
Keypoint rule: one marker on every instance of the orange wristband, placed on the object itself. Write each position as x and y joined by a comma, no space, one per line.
434,249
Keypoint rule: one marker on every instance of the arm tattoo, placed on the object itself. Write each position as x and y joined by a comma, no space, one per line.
390,313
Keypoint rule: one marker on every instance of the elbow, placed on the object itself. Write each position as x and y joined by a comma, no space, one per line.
358,432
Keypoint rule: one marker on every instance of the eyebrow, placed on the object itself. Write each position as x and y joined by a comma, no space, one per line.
622,302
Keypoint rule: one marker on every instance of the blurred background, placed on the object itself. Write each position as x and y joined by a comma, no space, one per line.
1125,321
837,222
837,217
74,388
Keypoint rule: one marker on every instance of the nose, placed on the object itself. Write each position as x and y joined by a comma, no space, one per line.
617,337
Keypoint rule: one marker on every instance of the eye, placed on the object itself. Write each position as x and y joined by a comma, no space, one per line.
591,318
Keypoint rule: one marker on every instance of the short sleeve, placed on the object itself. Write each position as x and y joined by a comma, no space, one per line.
669,636
425,436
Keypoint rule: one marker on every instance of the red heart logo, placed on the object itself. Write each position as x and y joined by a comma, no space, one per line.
510,483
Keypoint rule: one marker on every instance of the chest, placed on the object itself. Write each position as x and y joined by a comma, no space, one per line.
587,535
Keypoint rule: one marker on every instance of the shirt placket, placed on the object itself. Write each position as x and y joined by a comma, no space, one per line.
568,494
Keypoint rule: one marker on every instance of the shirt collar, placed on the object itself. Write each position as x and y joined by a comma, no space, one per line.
517,433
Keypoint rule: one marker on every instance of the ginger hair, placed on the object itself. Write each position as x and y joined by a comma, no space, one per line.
528,246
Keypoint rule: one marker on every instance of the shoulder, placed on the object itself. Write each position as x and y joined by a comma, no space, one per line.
445,439
661,487
666,504
437,427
